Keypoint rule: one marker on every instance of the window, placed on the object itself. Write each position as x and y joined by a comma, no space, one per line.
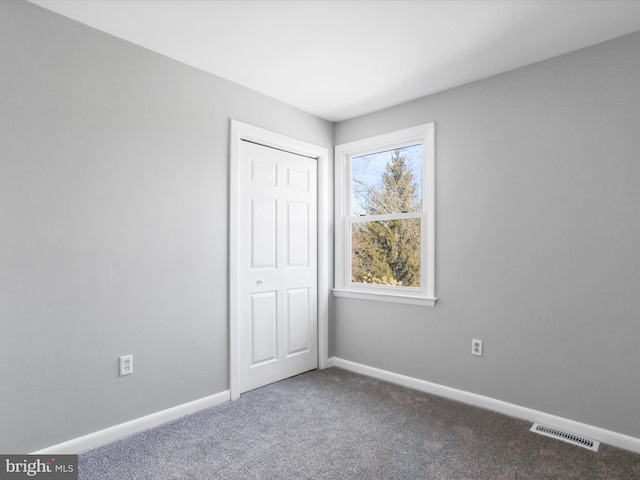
385,217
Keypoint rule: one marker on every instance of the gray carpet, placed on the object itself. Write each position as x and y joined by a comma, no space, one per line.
334,424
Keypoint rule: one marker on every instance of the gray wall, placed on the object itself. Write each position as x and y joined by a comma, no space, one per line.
538,241
113,221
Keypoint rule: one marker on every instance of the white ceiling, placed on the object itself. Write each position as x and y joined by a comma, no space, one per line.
341,59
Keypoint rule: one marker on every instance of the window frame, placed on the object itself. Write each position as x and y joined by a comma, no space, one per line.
344,217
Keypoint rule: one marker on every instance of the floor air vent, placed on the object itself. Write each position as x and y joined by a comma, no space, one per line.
566,437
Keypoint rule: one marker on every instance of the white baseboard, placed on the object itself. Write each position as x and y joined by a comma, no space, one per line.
111,434
117,432
596,433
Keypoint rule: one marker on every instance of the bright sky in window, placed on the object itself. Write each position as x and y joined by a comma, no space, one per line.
367,171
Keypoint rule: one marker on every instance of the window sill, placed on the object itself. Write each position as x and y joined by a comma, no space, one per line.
385,297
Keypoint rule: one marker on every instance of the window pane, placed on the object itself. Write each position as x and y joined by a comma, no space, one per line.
386,253
387,182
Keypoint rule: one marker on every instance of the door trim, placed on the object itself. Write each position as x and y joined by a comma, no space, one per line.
240,131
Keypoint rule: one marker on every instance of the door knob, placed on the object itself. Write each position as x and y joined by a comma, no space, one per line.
260,281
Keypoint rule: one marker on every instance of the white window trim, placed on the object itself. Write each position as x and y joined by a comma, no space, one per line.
425,295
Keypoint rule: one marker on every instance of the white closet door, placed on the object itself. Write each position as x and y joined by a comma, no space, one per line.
278,265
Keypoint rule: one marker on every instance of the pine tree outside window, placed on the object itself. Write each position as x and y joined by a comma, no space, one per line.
385,217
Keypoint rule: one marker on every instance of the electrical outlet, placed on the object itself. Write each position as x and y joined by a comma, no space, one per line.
126,365
476,347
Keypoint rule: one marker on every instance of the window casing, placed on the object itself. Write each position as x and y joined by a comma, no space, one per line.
385,225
